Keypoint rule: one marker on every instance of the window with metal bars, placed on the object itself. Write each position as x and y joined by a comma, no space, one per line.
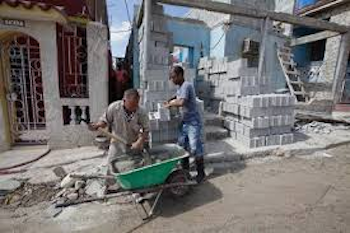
72,61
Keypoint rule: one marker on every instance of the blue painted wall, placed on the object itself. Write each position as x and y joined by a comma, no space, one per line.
233,49
217,42
302,52
234,40
191,35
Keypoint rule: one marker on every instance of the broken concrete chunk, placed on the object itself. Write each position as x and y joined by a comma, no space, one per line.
59,172
8,185
72,196
60,193
68,181
95,188
79,184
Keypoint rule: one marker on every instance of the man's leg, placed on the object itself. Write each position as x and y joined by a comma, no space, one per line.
184,143
196,146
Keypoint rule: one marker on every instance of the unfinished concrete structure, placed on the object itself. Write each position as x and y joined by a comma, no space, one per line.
318,54
54,72
257,32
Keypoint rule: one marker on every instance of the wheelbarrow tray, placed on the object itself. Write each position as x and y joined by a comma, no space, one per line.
150,175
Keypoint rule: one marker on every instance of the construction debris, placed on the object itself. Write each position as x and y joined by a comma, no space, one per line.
29,195
59,172
316,127
68,181
8,186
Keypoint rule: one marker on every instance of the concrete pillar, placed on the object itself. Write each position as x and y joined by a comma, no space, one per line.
4,143
262,49
97,44
46,35
147,31
340,70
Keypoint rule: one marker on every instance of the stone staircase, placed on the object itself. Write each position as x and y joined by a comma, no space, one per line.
214,127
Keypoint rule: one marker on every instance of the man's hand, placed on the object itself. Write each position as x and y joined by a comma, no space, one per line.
166,104
138,145
95,125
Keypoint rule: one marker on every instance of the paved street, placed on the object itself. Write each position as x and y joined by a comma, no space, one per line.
308,194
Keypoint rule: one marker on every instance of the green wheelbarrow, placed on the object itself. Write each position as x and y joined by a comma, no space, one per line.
165,175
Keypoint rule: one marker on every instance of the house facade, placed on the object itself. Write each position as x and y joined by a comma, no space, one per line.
53,71
317,60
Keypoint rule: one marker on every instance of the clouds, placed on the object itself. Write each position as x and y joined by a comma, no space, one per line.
121,32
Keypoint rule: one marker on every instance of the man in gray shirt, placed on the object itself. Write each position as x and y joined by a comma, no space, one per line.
191,126
130,122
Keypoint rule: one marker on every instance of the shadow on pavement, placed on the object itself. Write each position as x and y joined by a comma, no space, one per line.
216,170
200,195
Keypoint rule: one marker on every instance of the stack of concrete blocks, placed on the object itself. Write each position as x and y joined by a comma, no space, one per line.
154,83
164,126
260,120
254,115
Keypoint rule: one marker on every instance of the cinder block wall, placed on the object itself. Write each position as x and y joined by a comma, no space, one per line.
332,47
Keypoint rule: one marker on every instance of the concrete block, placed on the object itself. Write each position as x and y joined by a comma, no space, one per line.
287,139
239,128
281,130
252,133
249,112
154,124
164,113
229,124
273,140
251,142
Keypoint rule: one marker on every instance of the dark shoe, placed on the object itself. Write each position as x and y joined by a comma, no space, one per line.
185,163
200,170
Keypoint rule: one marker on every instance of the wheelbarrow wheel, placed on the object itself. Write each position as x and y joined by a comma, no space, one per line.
178,176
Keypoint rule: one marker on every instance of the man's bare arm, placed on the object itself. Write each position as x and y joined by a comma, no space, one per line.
96,125
175,103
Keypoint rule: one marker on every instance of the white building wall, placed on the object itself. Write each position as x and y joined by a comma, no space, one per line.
59,135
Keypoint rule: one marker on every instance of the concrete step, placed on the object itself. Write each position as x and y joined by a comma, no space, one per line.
215,133
211,119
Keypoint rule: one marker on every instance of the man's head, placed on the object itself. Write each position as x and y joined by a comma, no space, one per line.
131,100
177,75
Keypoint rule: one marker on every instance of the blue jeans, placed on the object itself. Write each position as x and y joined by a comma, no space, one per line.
190,138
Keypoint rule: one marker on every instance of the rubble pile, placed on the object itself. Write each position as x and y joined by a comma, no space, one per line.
316,127
255,116
72,189
27,195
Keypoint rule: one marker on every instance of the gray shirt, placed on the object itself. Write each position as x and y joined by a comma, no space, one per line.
128,128
189,110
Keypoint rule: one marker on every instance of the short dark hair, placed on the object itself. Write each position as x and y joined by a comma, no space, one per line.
178,70
131,93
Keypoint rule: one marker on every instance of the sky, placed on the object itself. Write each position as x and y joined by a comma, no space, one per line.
120,24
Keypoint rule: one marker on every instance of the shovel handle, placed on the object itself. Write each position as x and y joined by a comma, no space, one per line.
113,136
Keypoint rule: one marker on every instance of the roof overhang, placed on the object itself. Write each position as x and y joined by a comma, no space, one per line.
24,10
